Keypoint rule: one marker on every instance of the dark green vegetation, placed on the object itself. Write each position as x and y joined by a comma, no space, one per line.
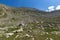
28,24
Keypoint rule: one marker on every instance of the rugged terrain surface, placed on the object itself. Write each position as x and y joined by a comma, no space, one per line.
28,24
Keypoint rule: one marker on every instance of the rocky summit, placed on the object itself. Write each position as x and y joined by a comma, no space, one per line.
28,24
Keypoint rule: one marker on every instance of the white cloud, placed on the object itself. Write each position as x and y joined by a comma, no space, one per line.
58,7
51,8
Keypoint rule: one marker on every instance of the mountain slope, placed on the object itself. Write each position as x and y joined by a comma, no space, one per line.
28,24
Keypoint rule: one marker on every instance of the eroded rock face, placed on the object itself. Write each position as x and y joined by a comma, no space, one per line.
28,24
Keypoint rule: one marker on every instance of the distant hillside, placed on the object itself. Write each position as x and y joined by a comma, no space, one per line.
28,24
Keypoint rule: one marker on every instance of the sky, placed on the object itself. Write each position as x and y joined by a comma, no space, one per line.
47,5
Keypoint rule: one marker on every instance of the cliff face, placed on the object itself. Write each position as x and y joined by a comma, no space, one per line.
28,24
